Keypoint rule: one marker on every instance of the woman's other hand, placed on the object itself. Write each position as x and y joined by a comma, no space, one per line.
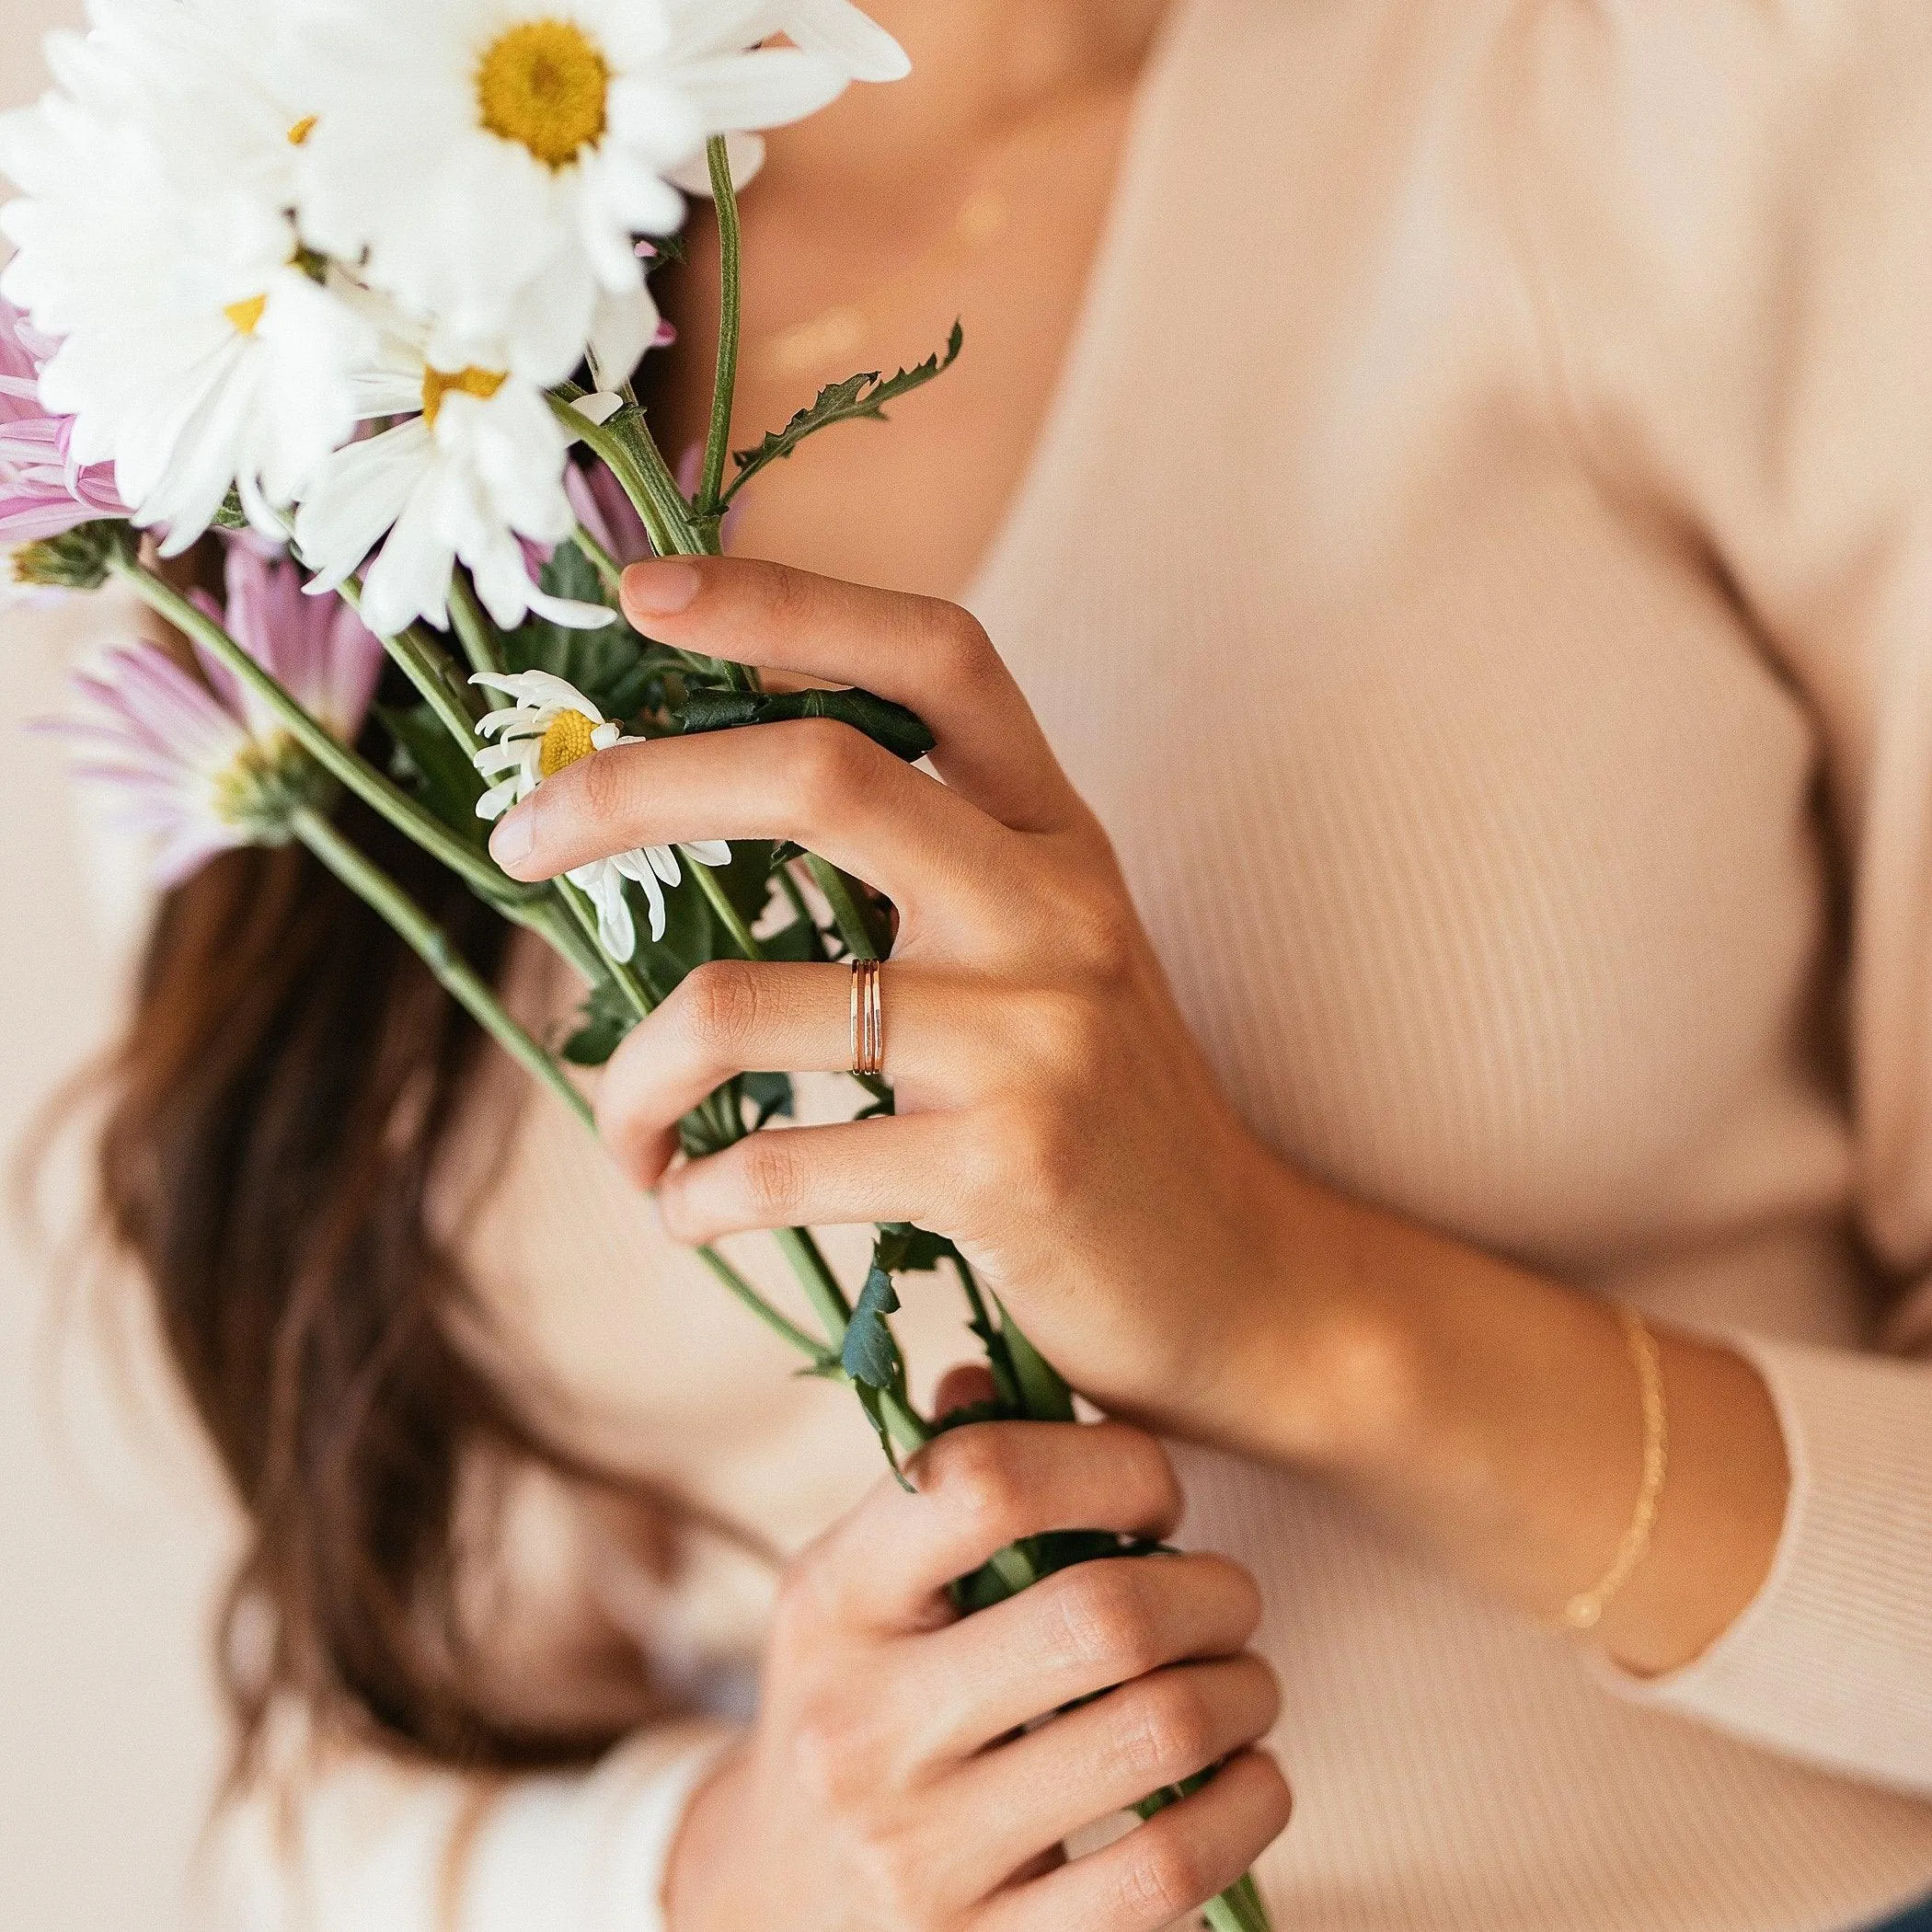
890,1782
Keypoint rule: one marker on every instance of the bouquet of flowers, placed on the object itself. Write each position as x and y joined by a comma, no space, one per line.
359,290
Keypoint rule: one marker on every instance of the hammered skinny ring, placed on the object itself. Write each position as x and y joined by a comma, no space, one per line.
867,1019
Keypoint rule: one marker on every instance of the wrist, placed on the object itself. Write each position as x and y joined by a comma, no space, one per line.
1321,1365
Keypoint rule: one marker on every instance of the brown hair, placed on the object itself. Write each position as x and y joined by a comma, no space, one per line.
275,1114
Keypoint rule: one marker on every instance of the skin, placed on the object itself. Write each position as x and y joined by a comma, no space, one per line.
1178,1270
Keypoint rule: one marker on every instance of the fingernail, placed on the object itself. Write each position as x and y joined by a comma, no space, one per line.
661,587
512,842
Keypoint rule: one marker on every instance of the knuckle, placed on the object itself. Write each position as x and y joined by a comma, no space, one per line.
1167,1728
1067,1033
975,1474
773,1175
1108,1621
1163,1878
718,1003
601,785
1046,1158
964,653
1096,928
827,769
785,596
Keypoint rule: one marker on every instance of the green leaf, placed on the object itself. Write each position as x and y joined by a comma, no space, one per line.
770,1096
857,398
870,1355
799,944
604,1019
903,1248
902,732
875,1414
747,879
436,768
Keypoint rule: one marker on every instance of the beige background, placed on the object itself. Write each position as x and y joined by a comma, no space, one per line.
111,1537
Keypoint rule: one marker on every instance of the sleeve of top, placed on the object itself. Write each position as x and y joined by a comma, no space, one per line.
371,1841
1726,214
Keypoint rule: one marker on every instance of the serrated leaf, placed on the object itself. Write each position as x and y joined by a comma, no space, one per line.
870,1355
875,1413
857,398
900,732
903,1248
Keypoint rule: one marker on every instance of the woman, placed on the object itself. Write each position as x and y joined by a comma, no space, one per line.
1453,483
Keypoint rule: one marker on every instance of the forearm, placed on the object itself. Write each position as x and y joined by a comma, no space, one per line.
1497,1416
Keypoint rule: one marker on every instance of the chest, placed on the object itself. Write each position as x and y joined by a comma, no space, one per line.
1002,242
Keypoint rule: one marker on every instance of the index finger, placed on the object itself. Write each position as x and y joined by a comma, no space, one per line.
980,1488
931,656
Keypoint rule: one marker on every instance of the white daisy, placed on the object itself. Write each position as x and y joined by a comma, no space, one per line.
155,238
490,162
478,465
551,724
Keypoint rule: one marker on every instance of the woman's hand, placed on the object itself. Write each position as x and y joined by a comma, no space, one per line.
1054,1117
1057,1121
890,1785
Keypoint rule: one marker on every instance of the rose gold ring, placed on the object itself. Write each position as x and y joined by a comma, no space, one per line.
867,1019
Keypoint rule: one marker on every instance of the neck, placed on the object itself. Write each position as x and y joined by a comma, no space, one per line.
979,68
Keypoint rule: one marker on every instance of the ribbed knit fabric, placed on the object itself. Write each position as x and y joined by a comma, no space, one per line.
1479,566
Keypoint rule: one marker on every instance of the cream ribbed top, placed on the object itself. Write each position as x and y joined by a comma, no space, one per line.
1479,566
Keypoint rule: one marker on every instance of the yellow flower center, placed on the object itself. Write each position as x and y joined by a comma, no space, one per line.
303,129
567,740
246,315
543,84
481,383
261,775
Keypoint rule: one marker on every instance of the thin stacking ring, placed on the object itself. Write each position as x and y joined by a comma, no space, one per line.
867,1019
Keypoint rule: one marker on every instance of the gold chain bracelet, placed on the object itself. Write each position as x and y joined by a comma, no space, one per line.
1584,1609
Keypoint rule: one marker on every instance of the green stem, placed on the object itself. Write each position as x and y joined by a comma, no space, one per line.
370,883
549,920
435,690
713,887
730,307
336,758
479,644
759,1307
426,665
607,565
625,976
829,1303
849,916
